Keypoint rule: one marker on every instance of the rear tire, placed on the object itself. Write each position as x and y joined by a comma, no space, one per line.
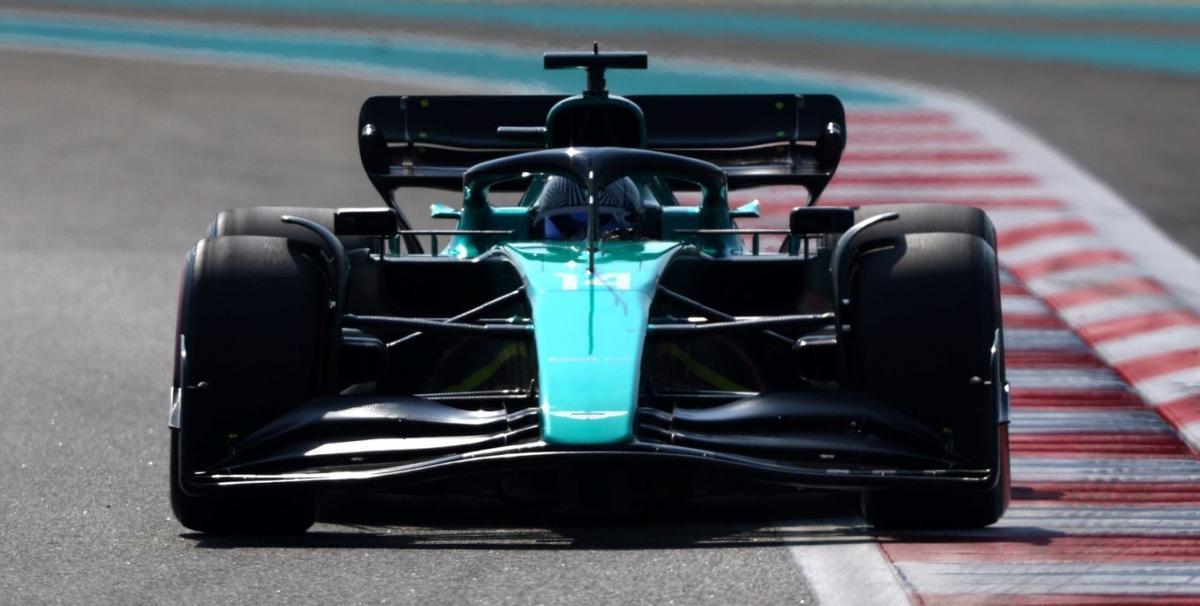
925,316
254,317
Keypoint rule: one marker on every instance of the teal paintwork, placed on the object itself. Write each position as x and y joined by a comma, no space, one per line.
589,332
748,210
484,216
437,210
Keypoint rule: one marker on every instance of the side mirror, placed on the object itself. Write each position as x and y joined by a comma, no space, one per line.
437,210
807,220
365,222
748,210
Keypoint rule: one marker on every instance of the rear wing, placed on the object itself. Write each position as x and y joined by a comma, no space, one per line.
430,141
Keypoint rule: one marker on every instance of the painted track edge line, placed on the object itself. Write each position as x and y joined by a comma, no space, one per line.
850,573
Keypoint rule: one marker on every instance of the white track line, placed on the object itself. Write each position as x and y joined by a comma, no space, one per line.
1191,428
1043,248
1006,219
1141,345
1120,307
1080,277
1023,304
849,573
1171,386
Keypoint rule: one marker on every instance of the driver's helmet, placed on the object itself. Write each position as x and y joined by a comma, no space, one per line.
562,208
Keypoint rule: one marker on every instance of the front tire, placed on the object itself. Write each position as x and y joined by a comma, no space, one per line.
929,218
925,319
254,317
900,510
238,515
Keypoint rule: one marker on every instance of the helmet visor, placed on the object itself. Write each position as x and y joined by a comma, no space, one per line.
573,225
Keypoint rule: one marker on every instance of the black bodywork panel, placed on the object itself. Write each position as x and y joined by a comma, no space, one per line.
430,141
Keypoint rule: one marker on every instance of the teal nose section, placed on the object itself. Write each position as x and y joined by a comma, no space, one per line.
589,330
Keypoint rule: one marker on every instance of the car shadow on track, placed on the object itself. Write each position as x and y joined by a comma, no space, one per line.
476,523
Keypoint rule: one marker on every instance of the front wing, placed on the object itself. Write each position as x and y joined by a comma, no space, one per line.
385,444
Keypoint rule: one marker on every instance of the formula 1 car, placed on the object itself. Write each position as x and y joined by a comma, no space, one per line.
596,332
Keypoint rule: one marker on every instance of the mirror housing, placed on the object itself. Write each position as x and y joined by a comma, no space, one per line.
365,222
437,210
821,220
748,210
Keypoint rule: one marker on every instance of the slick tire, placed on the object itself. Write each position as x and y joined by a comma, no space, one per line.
924,319
246,516
253,323
265,221
910,510
928,218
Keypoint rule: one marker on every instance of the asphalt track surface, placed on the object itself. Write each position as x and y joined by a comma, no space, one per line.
112,168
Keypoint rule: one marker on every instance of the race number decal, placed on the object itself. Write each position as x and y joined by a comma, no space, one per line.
616,281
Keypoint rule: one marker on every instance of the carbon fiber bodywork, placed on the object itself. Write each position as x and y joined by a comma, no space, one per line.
670,344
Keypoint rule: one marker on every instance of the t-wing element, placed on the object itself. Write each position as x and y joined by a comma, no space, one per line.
595,63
